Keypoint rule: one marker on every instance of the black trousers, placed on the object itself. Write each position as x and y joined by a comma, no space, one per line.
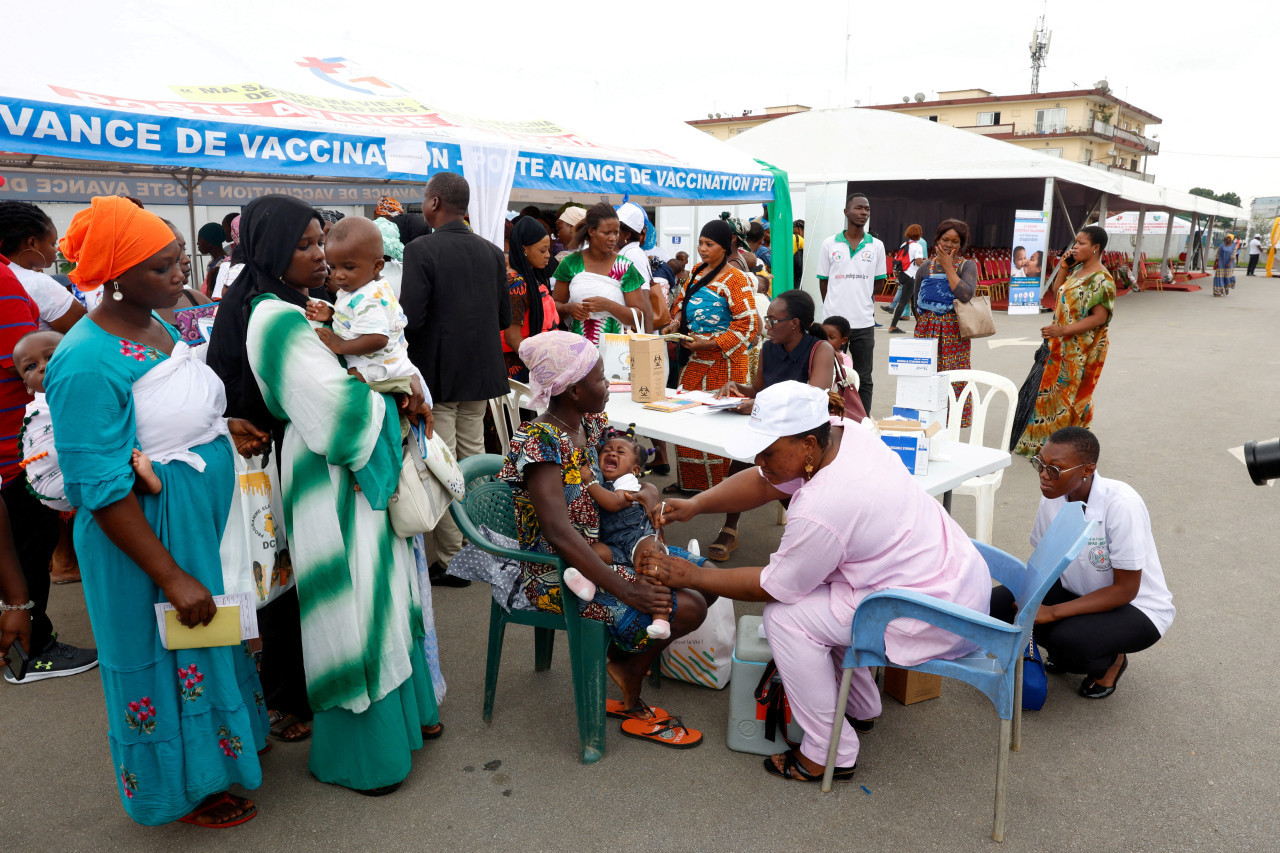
862,344
1253,263
906,297
284,683
1088,643
35,535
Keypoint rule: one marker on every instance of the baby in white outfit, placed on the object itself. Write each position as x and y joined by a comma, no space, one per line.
367,322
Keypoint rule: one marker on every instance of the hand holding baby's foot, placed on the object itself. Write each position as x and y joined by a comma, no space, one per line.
145,480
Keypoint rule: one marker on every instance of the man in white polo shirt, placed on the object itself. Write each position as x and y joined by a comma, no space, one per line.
849,265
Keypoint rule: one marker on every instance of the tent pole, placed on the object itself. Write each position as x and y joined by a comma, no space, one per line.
1168,242
1102,210
1057,191
1137,249
1046,205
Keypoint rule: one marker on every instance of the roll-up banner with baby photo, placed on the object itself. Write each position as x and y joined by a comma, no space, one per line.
1030,243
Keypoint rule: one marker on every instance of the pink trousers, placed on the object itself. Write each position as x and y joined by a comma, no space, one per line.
808,644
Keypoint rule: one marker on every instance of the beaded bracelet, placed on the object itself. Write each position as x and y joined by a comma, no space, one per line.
29,605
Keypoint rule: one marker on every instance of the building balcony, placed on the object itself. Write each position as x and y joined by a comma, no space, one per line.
1119,170
1095,129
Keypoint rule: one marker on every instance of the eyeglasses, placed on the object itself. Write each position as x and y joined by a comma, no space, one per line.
1053,471
770,322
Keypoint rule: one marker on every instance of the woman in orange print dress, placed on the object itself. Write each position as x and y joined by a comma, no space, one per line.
717,308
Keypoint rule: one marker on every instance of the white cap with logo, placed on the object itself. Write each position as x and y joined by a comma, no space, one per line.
787,408
632,216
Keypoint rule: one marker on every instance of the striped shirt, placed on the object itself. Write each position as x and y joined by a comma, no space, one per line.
18,316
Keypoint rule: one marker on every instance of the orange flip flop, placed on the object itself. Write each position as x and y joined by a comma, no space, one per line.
613,708
214,802
669,732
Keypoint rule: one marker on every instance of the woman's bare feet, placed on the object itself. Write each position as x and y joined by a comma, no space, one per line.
145,480
628,673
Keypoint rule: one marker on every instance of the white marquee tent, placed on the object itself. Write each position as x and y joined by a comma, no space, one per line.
915,170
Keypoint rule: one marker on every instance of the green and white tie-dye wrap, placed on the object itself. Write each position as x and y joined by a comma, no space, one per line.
339,464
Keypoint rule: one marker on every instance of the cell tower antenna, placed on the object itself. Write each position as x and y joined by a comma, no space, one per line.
1040,39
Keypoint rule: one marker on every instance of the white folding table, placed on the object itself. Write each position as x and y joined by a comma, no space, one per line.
705,429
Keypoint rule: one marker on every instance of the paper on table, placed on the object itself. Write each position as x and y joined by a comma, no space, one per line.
706,398
226,631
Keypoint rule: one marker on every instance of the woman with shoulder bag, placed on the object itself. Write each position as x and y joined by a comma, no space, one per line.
941,282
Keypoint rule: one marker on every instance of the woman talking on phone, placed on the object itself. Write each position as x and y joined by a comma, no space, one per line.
1076,341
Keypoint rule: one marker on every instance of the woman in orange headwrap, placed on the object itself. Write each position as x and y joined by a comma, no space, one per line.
181,725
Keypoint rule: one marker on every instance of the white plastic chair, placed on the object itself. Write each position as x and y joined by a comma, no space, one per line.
982,488
506,410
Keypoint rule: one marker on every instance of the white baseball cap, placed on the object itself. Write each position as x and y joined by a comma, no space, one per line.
631,216
787,408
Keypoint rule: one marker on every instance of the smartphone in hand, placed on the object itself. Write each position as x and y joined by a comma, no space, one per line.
17,660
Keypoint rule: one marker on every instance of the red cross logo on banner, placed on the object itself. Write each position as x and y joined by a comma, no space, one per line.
338,71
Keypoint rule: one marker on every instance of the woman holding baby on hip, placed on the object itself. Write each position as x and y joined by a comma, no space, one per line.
554,467
366,678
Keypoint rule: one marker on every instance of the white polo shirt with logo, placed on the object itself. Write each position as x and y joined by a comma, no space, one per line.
1122,540
851,275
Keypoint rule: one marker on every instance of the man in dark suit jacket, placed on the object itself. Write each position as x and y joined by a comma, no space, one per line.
455,295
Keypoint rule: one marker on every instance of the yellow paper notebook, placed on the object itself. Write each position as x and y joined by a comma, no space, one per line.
222,630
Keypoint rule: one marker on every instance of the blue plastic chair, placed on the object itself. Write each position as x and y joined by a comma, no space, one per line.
489,502
996,669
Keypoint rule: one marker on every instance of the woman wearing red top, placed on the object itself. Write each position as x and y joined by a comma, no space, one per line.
533,309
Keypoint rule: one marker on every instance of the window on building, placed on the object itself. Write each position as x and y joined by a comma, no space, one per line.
1051,121
1052,152
932,118
988,119
1088,155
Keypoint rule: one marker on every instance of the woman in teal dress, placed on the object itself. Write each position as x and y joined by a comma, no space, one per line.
183,726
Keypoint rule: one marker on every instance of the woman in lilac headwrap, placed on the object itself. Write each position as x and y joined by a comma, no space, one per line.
548,460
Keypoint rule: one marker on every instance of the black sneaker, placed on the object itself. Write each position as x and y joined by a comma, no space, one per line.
896,331
58,659
887,309
436,572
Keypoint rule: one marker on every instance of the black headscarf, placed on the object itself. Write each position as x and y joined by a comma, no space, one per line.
270,229
525,232
719,232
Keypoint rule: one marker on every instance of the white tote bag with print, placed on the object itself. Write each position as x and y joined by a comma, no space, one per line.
254,550
705,655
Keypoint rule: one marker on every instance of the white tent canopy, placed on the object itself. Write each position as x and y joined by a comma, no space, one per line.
193,103
918,171
866,145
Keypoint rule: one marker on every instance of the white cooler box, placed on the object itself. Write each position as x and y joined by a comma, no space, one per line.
746,718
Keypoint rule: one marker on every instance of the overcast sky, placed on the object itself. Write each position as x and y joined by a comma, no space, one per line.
1206,77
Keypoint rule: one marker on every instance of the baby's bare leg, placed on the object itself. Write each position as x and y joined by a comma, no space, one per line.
660,628
145,481
602,551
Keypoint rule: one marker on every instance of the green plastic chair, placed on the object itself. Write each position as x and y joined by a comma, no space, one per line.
489,502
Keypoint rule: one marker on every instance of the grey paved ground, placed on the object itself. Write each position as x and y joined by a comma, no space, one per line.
1183,757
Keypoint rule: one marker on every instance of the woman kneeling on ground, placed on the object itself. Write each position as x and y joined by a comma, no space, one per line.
857,523
556,515
1112,600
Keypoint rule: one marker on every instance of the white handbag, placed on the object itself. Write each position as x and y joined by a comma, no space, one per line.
429,480
704,656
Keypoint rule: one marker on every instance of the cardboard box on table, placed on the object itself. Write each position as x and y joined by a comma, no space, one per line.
648,368
746,716
910,440
924,416
927,393
913,356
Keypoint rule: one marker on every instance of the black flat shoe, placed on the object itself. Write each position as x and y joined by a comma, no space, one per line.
436,573
1091,689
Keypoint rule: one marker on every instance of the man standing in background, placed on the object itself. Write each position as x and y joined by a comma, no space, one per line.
849,265
455,297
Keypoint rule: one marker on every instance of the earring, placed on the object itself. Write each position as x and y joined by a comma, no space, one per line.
117,295
808,466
